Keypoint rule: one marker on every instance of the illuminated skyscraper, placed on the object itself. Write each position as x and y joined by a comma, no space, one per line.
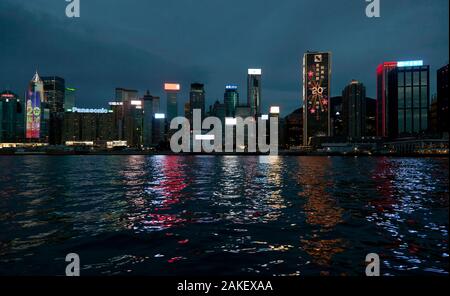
254,91
231,100
197,98
316,95
354,110
172,90
34,99
54,95
402,98
442,99
69,99
11,118
123,95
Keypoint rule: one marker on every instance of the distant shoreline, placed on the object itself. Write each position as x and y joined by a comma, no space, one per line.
281,153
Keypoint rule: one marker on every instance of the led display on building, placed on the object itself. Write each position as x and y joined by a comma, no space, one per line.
34,97
316,95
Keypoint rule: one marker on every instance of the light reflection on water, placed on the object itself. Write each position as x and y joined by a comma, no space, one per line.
223,215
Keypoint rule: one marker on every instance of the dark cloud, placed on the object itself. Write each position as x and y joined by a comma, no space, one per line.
140,44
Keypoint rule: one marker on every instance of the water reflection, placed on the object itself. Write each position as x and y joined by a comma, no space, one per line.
223,215
408,190
321,210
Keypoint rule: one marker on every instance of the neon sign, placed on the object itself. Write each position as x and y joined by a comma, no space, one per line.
410,63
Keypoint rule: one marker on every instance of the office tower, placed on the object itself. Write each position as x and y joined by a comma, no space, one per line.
385,103
126,95
34,100
442,99
172,90
54,95
316,95
89,125
69,99
11,118
197,98
149,114
371,113
354,109
219,111
434,121
132,116
118,111
293,130
132,121
159,122
402,98
336,117
231,100
187,112
244,111
254,91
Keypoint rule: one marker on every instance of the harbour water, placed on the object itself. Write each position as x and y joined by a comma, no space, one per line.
223,215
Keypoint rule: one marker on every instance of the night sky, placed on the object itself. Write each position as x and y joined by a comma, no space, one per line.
140,44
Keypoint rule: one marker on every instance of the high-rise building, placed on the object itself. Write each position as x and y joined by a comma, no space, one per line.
123,95
54,96
371,112
231,100
293,131
402,98
354,109
244,111
197,98
54,92
153,121
254,91
316,95
69,99
11,118
172,90
336,117
118,111
132,116
88,125
442,99
219,111
35,128
187,112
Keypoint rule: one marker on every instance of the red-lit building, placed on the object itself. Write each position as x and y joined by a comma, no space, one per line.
402,99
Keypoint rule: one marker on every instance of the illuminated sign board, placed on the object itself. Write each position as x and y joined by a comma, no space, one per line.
231,86
9,96
316,95
160,115
33,115
274,110
89,110
230,121
115,103
71,89
265,117
136,103
254,71
409,63
172,86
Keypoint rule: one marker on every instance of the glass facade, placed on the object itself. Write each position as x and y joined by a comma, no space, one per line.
413,99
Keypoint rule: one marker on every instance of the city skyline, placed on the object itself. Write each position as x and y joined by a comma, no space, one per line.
280,61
